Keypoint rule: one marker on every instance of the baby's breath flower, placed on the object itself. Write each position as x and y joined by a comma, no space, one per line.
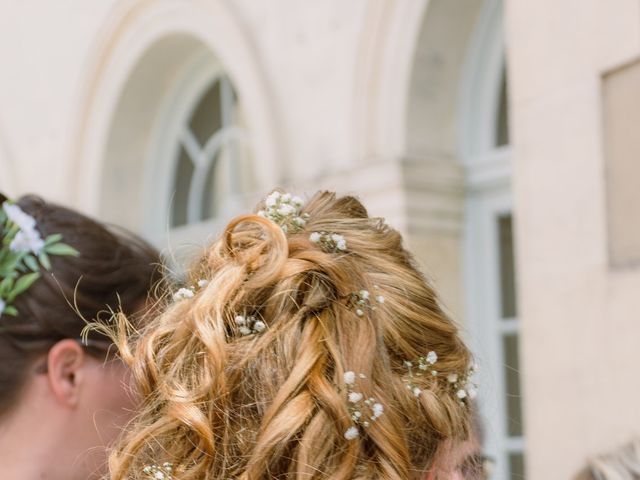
378,409
452,377
182,294
416,391
380,299
259,326
355,397
349,377
203,283
432,357
351,433
240,320
330,242
461,394
284,209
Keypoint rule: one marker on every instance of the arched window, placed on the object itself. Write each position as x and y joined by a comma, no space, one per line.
491,274
202,156
206,168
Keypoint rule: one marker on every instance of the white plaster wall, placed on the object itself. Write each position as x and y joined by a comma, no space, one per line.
579,319
43,50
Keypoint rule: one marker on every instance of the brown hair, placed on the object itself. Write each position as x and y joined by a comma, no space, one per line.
273,405
115,269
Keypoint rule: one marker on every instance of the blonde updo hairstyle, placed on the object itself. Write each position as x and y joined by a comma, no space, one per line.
222,405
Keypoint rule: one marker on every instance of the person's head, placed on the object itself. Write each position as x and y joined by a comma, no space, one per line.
305,344
46,369
621,464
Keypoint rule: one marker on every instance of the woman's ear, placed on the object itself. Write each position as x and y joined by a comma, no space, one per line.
65,362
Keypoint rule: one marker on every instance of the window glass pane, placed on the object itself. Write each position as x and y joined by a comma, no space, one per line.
183,176
516,466
512,385
502,125
207,117
507,267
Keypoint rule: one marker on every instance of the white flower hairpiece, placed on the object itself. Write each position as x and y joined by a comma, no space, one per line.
284,209
248,324
23,253
363,412
184,293
330,242
424,364
161,472
462,386
361,301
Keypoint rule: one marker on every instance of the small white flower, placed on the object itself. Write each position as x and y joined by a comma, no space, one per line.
240,320
285,198
19,217
416,391
408,364
352,433
461,394
364,294
259,326
286,209
357,414
434,373
380,299
452,377
183,293
244,330
27,241
297,201
159,475
355,397
299,221
203,283
378,409
315,237
432,358
359,312
262,213
349,377
272,199
472,392
341,245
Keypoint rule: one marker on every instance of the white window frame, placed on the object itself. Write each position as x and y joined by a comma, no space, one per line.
170,134
488,184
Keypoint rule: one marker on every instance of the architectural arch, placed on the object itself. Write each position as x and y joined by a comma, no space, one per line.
138,58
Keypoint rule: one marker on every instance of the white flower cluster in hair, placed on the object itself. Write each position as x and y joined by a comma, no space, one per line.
249,324
424,364
284,209
363,411
361,300
27,239
463,385
162,472
189,292
330,242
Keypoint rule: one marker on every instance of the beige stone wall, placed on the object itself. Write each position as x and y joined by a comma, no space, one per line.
580,326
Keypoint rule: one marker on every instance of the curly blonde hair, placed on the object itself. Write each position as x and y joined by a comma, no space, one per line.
221,405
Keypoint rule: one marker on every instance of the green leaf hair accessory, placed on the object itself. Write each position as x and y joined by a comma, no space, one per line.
23,252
